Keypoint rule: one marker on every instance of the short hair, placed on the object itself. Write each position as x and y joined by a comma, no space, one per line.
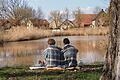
66,41
51,42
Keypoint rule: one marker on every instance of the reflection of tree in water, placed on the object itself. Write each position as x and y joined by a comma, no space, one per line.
90,51
92,57
102,45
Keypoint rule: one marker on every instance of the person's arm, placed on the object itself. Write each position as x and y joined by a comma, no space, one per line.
45,54
76,50
59,48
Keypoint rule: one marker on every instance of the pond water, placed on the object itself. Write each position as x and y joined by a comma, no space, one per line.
92,49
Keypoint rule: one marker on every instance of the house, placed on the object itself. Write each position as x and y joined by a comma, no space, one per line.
40,23
29,23
67,24
1,24
5,24
77,23
101,19
85,20
44,23
23,22
55,24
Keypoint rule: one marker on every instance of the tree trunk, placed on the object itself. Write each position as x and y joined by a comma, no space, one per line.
112,66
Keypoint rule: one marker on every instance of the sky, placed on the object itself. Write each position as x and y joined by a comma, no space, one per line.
87,6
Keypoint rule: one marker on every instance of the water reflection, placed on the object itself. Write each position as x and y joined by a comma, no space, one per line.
91,49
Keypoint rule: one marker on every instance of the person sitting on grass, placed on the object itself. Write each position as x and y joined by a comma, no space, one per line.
53,55
70,53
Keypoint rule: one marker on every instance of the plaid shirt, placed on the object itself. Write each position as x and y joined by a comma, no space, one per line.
70,53
53,56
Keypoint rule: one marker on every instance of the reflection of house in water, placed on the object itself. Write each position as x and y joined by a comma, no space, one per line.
67,24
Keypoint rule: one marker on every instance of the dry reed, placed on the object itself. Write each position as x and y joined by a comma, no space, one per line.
24,33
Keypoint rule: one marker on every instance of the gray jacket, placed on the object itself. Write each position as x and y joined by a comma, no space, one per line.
53,56
70,54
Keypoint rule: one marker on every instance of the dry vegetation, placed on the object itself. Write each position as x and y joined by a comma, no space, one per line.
87,31
22,33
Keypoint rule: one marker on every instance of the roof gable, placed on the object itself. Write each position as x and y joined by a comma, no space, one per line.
99,14
87,18
67,22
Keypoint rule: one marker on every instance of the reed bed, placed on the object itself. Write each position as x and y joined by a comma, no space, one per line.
23,33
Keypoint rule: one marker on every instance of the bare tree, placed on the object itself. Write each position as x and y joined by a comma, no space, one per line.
16,10
112,66
1,8
23,13
97,10
38,13
56,17
9,8
66,14
77,16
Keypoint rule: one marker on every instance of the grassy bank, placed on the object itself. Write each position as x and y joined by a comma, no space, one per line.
23,73
23,33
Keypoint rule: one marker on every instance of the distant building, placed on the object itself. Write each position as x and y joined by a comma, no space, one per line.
23,22
40,23
101,19
2,22
55,25
29,24
67,24
5,24
85,20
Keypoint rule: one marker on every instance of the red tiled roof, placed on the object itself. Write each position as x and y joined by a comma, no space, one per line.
86,19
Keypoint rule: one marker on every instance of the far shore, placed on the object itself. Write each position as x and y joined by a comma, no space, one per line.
24,34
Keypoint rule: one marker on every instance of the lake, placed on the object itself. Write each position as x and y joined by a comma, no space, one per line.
92,49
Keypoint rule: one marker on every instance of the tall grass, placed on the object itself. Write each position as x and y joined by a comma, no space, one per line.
24,33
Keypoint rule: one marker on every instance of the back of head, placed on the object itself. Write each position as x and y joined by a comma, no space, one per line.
66,41
51,41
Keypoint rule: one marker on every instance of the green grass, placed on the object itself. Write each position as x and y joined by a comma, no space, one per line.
23,73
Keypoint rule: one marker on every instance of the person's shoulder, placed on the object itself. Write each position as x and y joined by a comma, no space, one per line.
46,49
68,46
54,47
58,48
49,48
